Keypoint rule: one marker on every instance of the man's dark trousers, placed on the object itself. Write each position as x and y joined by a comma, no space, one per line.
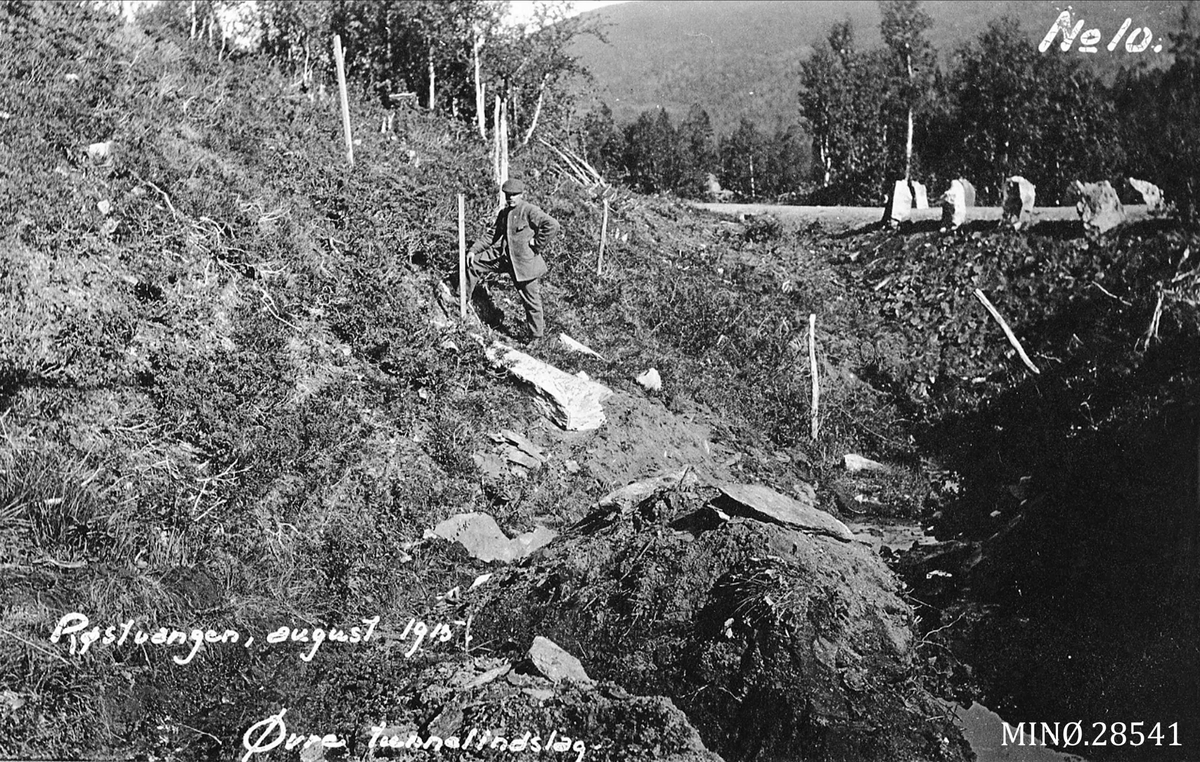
530,290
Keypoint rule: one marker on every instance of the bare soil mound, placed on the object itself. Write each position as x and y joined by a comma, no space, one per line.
776,644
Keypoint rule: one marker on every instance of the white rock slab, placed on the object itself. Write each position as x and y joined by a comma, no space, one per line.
571,402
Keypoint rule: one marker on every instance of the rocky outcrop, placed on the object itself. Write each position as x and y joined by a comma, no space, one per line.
777,643
505,709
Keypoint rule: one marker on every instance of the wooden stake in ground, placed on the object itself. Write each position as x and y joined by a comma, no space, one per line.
603,238
812,366
1012,338
462,257
339,58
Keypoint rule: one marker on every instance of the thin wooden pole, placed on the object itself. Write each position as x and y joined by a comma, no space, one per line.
1012,337
500,178
462,257
341,74
812,366
503,142
603,238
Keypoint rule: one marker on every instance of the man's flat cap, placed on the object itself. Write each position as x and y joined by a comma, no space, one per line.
513,186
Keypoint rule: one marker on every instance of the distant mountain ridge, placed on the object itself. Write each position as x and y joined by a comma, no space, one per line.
743,58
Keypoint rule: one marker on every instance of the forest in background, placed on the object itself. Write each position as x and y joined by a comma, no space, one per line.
999,108
996,107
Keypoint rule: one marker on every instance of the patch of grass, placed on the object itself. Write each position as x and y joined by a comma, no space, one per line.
48,502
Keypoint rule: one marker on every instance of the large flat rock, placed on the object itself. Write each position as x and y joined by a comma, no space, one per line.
757,501
630,495
556,664
571,402
482,537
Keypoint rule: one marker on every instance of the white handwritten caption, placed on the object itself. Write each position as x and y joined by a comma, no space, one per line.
81,635
1137,41
269,734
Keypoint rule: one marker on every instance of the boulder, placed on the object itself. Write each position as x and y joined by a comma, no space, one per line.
1099,208
954,205
920,195
625,498
650,381
481,536
100,153
1019,195
556,664
855,463
1151,195
762,502
899,203
571,402
968,192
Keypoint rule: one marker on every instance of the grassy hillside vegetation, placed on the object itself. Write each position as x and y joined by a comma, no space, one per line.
226,402
225,405
212,358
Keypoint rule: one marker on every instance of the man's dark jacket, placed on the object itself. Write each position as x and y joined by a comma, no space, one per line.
524,230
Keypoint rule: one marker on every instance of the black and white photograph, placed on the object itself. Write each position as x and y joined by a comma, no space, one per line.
643,381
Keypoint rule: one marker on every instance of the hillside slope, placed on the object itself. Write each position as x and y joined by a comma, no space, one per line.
233,409
743,58
230,400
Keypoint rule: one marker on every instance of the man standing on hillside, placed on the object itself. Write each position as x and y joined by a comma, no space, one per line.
515,246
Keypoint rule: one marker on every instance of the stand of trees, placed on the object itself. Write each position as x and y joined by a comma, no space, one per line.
653,154
866,117
454,57
1001,108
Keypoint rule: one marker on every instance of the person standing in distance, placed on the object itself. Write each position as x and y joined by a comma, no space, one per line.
515,246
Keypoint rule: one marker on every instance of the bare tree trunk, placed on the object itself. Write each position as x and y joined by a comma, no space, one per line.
504,140
537,110
432,78
908,148
480,103
192,13
908,144
307,76
496,142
